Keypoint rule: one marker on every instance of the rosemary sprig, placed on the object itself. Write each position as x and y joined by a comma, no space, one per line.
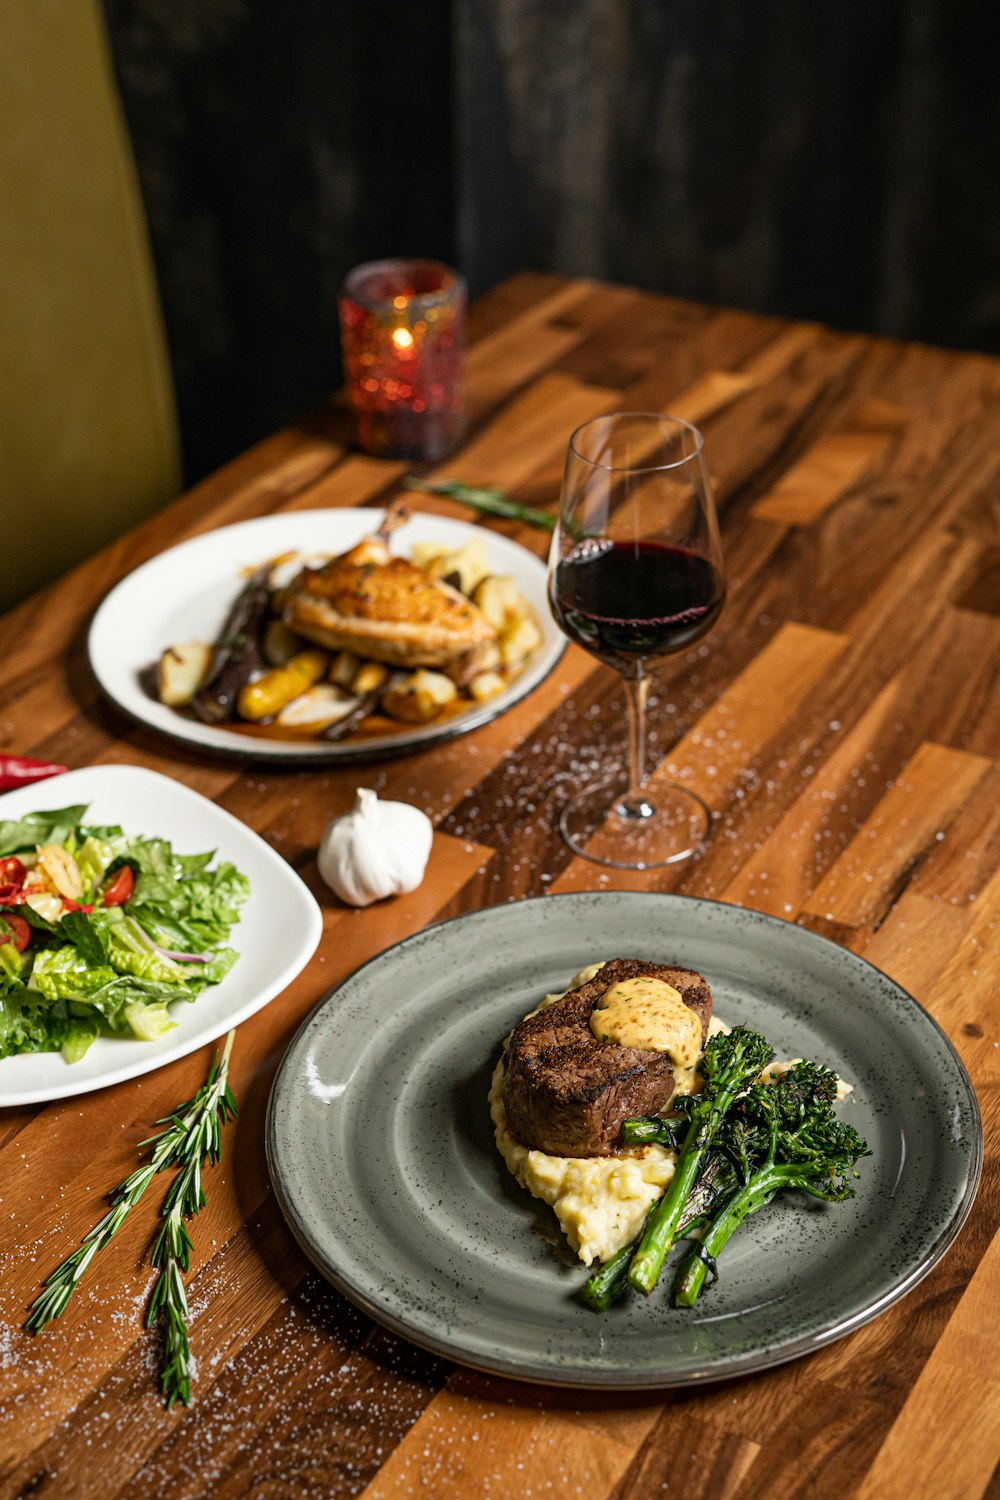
491,502
169,1302
171,1253
61,1283
192,1136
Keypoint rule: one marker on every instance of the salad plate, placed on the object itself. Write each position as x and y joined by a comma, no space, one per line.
185,594
279,927
381,1151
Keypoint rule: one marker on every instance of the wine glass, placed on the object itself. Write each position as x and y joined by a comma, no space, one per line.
635,574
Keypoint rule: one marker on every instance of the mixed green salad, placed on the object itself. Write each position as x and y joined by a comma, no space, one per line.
100,932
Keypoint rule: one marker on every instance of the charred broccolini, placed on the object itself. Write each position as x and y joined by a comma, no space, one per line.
740,1142
730,1064
777,1136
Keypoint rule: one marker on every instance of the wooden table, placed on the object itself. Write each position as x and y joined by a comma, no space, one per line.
841,720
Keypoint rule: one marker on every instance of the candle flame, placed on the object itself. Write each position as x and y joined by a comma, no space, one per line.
402,338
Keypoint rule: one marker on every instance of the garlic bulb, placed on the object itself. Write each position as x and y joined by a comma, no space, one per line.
378,849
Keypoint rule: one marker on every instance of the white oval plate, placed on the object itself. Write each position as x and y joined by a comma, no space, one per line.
186,593
279,928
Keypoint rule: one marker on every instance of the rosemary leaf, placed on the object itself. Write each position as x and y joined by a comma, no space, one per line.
491,502
192,1137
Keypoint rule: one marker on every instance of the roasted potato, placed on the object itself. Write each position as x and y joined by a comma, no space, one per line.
181,671
280,643
269,694
419,697
316,710
467,563
500,600
482,658
369,677
521,637
344,668
486,685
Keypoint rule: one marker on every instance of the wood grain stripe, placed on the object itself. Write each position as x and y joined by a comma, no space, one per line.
833,466
908,820
529,432
780,874
713,758
959,1392
456,1448
718,389
505,360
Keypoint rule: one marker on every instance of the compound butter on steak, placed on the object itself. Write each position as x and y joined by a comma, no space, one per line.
614,1048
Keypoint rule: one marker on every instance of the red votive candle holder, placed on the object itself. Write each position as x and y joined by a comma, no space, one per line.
403,324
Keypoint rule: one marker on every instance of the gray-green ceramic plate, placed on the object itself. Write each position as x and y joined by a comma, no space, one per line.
381,1149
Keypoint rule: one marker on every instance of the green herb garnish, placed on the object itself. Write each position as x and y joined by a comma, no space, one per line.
191,1139
490,501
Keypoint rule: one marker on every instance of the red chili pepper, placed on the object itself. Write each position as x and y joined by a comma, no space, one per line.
71,905
12,895
17,770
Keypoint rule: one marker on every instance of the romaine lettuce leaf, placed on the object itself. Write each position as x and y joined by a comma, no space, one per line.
12,965
29,1024
128,953
148,1021
89,937
94,857
64,974
39,828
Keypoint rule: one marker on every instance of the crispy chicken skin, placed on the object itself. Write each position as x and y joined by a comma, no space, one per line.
384,608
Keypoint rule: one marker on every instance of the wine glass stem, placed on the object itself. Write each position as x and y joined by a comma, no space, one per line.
635,804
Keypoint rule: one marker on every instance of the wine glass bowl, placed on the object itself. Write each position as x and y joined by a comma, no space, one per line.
635,575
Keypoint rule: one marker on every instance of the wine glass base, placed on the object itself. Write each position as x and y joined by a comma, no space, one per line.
598,826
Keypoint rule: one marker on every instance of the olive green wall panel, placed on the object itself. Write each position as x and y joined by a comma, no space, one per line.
87,424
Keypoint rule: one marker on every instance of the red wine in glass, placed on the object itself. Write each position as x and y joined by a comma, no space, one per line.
628,602
635,575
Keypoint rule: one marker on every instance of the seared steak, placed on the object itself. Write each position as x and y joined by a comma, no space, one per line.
568,1094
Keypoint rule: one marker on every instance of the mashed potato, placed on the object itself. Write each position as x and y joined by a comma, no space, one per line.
600,1201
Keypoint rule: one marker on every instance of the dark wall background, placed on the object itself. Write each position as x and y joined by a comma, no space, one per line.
827,160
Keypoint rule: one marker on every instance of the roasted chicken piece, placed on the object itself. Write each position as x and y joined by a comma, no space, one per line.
384,608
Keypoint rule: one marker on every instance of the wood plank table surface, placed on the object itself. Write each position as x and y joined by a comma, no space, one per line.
842,720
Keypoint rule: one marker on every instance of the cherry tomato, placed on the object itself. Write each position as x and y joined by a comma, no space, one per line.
12,872
120,887
20,932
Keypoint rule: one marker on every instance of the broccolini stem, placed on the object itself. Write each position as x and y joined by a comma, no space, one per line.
663,1224
757,1194
609,1283
729,1063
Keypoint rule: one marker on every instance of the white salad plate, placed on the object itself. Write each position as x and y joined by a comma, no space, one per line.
186,593
279,928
